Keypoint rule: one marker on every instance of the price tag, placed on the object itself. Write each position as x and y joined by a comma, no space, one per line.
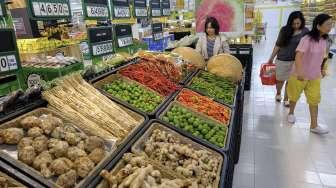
50,9
156,12
165,12
107,57
122,12
34,80
141,12
101,49
8,63
97,11
126,41
158,36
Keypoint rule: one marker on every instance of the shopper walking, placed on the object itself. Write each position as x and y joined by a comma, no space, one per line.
212,43
309,69
284,49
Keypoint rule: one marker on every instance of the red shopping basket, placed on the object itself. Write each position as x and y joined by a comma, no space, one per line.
267,74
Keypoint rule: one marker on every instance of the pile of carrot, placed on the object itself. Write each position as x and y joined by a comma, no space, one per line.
205,105
148,75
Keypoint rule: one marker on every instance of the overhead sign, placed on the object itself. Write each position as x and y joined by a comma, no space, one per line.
121,8
9,59
157,31
140,8
100,40
155,8
165,4
124,35
96,9
49,9
2,8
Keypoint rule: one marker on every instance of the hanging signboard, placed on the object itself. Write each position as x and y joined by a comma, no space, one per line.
124,35
155,6
157,31
100,41
2,8
9,59
140,8
49,9
121,8
96,9
165,4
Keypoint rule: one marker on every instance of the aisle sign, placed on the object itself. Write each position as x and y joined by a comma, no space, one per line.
100,40
155,8
2,8
96,9
124,35
140,8
121,8
9,59
49,9
157,31
165,7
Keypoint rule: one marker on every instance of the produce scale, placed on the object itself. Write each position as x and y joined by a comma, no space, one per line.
86,112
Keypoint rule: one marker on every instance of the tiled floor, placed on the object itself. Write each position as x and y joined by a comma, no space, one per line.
275,154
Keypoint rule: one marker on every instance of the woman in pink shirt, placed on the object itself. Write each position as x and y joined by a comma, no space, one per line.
309,69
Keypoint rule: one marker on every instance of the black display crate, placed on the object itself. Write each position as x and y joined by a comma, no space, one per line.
94,173
244,52
18,176
117,157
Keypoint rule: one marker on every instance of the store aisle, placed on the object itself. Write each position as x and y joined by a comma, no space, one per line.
275,154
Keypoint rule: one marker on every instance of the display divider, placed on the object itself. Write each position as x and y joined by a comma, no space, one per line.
19,176
118,156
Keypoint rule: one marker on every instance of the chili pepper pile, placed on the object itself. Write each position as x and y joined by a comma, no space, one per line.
205,105
146,74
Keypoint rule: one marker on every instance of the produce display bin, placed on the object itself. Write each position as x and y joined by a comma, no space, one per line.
17,178
99,84
98,76
228,147
187,78
205,94
135,145
8,153
244,52
48,74
20,109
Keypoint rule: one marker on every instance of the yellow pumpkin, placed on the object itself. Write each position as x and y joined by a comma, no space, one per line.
227,66
190,55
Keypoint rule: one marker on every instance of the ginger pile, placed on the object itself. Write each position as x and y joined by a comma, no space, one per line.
200,164
138,173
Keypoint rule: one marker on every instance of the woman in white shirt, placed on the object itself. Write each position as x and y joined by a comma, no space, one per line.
212,43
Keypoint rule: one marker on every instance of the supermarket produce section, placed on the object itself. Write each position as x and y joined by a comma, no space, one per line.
155,121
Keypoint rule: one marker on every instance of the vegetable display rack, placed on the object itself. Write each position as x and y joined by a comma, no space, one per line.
136,145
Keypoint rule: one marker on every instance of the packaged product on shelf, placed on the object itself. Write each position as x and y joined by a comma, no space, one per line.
53,147
162,157
75,99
